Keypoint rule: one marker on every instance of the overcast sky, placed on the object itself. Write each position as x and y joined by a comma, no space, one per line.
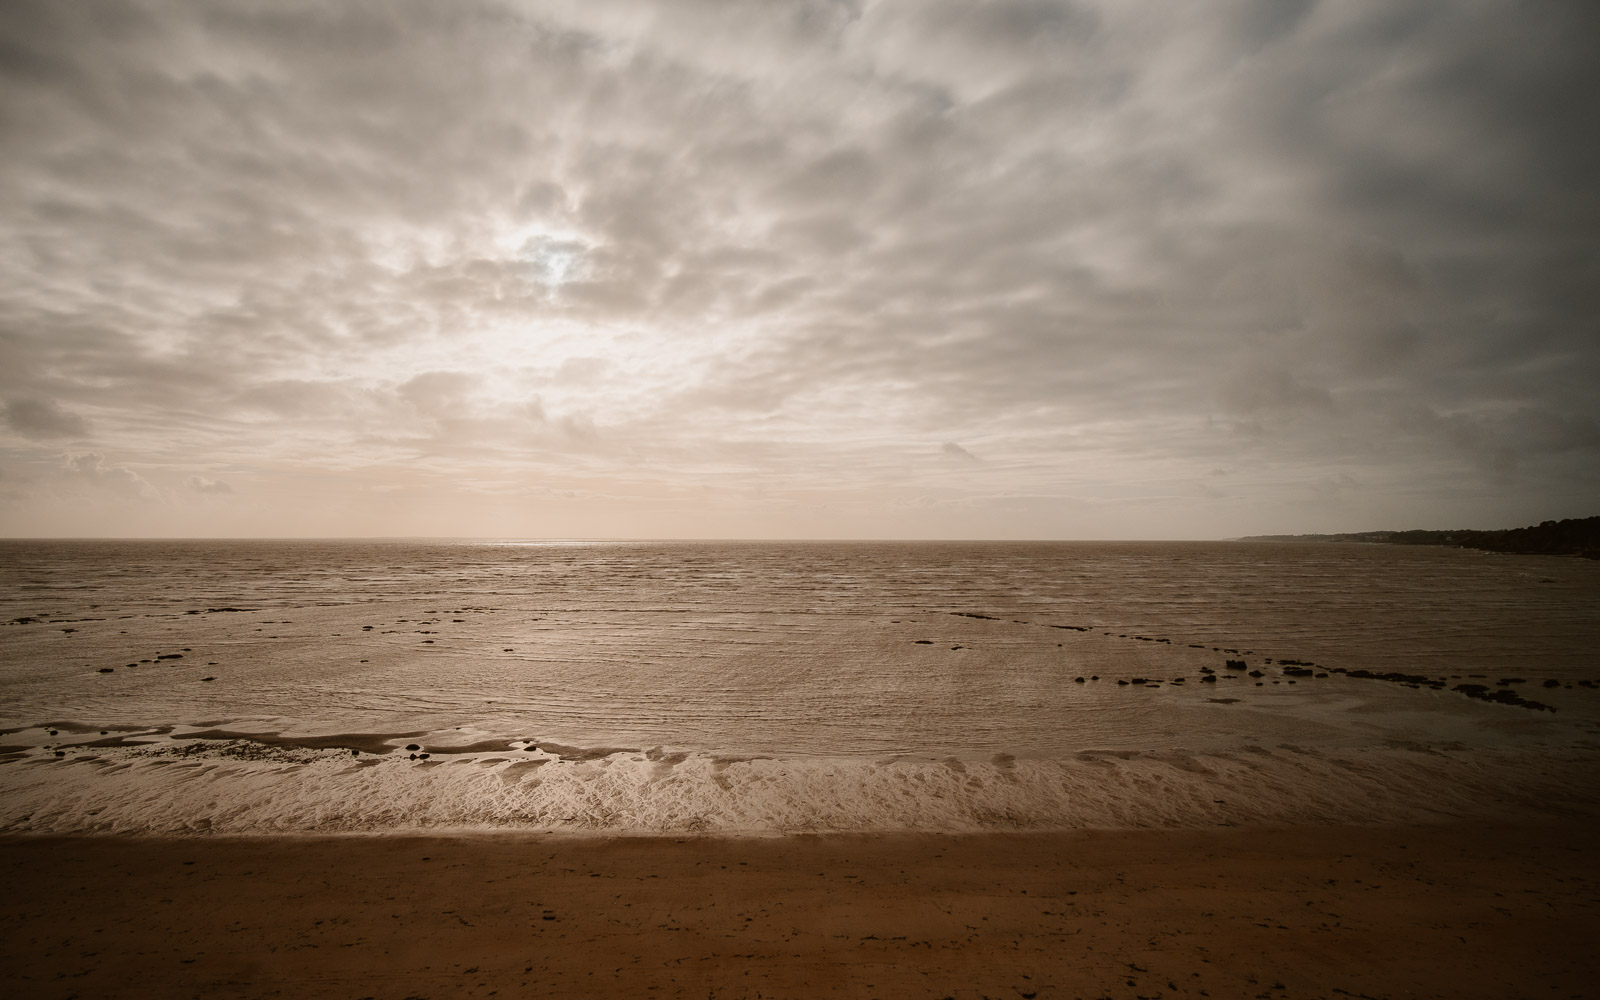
814,269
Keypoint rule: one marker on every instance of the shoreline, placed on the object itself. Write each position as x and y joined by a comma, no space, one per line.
1458,910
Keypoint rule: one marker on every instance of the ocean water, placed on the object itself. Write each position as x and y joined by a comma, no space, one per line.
247,687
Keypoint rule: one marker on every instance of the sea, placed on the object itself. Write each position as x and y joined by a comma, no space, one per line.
615,688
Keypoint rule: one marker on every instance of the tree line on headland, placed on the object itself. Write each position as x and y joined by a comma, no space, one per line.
1573,536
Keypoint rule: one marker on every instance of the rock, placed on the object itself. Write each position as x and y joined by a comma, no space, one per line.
924,642
1209,679
1236,664
1122,683
108,670
1552,683
208,678
1256,673
1077,680
1139,680
412,746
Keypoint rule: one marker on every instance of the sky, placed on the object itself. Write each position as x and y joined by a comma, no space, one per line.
797,268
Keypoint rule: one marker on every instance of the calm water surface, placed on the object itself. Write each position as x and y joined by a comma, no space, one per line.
758,687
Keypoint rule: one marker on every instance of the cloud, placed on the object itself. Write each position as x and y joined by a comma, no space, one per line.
91,471
41,418
202,484
1117,243
954,451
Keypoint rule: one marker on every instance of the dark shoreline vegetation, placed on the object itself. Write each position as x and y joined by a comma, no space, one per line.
1573,536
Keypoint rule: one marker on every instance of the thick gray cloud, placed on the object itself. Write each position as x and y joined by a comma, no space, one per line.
703,267
41,418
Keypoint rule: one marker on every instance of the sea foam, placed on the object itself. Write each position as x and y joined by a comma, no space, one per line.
238,787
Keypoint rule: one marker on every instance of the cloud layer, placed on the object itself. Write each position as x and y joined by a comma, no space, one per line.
977,269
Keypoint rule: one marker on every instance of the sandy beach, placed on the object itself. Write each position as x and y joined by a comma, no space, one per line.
1457,911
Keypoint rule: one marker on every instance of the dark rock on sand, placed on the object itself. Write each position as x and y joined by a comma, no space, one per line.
923,642
1209,679
1256,673
412,746
1077,680
1505,696
1552,683
1236,664
108,670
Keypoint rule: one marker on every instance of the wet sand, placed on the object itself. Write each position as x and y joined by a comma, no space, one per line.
1453,912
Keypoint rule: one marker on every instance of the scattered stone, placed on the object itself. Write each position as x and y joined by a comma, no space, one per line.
412,746
208,678
108,670
1236,664
1505,696
1077,680
924,642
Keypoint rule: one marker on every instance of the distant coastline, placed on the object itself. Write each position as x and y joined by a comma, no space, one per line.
1577,536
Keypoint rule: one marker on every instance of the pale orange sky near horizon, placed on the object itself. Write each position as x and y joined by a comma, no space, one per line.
810,269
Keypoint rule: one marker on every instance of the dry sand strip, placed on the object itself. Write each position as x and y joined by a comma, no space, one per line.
1338,913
